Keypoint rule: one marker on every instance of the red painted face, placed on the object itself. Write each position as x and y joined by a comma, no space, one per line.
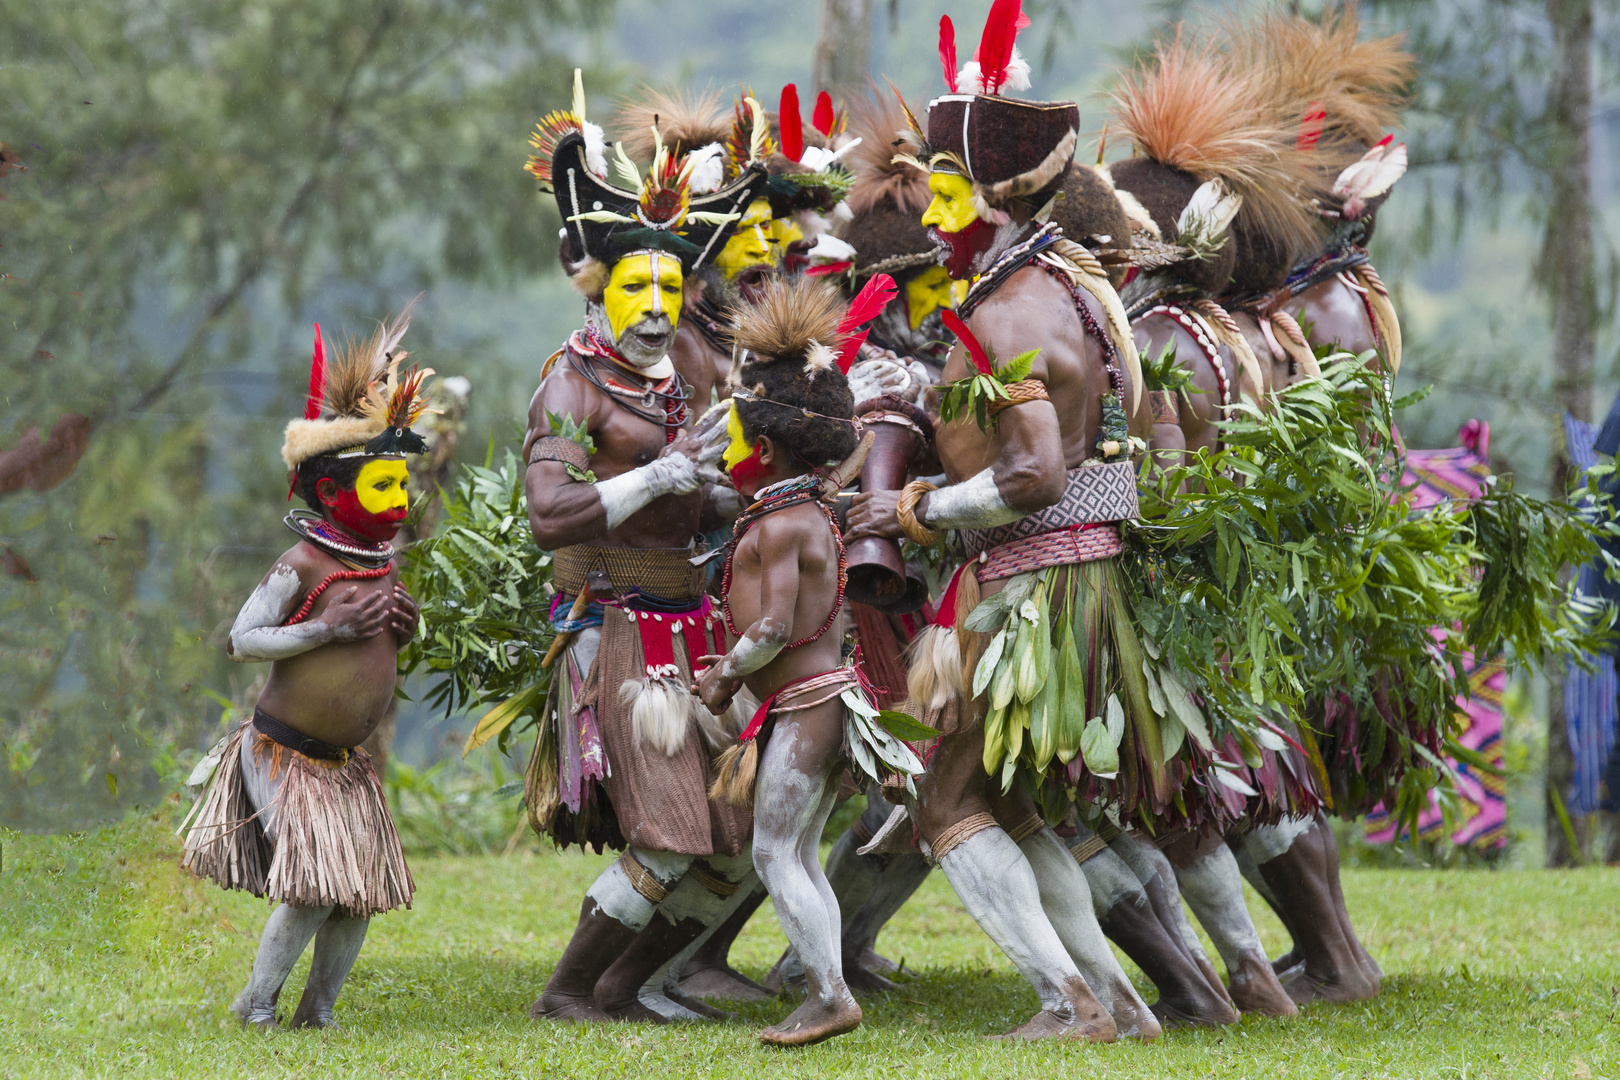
961,247
375,506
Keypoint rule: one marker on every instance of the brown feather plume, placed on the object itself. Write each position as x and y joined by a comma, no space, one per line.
354,374
1362,86
1188,108
685,121
791,315
879,120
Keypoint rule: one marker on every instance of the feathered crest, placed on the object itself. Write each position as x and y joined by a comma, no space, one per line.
685,122
1187,108
881,124
791,317
790,123
550,130
867,305
1357,88
354,376
750,137
996,65
825,118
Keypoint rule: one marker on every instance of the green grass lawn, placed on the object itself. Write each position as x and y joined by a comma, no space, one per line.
113,962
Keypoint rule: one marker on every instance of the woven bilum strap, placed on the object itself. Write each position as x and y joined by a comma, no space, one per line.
665,572
1089,848
1094,493
642,880
1026,828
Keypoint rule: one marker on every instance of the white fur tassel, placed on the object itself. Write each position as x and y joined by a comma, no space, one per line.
936,674
595,149
659,712
708,169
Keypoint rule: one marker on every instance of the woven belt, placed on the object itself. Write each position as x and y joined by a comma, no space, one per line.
1088,849
1061,548
713,882
276,731
1093,494
666,572
642,880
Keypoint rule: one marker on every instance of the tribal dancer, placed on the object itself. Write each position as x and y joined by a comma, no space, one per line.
1041,485
1343,94
783,597
609,487
295,811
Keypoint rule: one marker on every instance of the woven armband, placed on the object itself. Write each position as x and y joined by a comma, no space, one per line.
555,448
1018,393
906,511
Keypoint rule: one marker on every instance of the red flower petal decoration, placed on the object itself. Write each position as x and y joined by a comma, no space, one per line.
975,351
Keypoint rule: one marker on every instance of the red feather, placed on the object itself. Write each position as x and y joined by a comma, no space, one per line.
866,306
996,44
947,51
787,117
975,351
823,118
317,379
1310,126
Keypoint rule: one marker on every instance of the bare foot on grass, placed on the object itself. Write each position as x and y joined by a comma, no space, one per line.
1255,989
814,1021
1080,1017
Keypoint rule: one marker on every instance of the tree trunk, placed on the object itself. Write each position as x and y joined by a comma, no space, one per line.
844,46
1568,271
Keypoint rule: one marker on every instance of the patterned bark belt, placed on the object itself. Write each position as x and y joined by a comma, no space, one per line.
663,572
1095,493
1064,547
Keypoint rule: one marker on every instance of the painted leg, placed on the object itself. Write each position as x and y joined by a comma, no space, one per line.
1330,846
791,808
1297,875
1251,873
613,913
1066,899
1158,880
902,877
1126,915
337,946
1213,888
999,889
709,974
286,933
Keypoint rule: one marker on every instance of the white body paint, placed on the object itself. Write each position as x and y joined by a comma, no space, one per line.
792,802
618,898
1213,888
1066,899
975,503
1266,842
258,636
1112,881
626,493
749,655
996,884
290,928
1148,862
691,899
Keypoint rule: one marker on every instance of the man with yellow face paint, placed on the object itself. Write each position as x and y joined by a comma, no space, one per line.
330,618
993,165
615,493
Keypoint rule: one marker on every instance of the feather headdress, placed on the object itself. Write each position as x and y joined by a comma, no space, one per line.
359,403
882,124
552,128
795,319
1185,107
1319,74
685,122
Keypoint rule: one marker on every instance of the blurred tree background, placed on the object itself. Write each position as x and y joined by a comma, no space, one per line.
186,185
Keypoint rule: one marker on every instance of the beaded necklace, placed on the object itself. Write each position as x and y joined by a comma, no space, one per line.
780,496
662,402
343,546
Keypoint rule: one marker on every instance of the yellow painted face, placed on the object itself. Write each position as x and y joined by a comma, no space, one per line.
641,287
750,245
783,234
380,487
928,292
952,209
739,448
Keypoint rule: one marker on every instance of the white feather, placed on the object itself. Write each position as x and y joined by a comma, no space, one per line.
595,149
818,358
579,95
626,168
1388,170
1209,211
828,248
971,78
1017,72
818,158
708,168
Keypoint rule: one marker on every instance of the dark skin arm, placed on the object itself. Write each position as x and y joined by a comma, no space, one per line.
564,511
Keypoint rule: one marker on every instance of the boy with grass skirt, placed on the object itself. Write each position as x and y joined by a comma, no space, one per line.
792,440
295,811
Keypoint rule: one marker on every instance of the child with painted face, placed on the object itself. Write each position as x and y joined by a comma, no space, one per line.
295,811
790,423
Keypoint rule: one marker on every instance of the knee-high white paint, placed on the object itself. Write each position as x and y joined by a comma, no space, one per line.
1213,888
